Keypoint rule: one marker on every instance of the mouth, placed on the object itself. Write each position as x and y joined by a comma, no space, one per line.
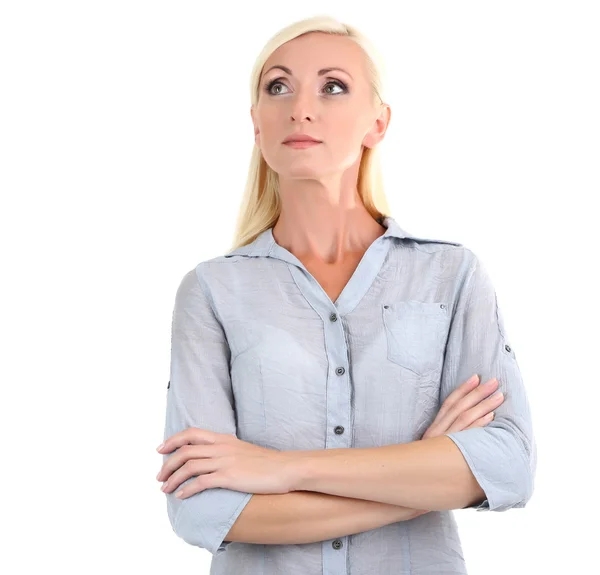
301,143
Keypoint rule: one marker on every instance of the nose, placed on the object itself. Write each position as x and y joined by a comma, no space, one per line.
301,108
309,117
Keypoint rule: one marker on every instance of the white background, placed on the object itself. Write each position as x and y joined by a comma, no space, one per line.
125,137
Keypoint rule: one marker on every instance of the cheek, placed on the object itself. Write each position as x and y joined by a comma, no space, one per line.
344,142
269,132
345,130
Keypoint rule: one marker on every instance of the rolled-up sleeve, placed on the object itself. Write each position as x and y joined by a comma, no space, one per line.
200,395
502,455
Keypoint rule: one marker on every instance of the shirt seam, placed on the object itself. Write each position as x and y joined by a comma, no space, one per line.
205,289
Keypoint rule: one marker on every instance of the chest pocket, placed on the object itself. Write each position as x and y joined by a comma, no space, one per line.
416,334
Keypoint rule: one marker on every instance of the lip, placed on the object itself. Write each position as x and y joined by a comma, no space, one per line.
301,144
301,138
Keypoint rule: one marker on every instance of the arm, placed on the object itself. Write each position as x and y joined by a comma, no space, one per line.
503,454
200,395
425,474
490,468
307,517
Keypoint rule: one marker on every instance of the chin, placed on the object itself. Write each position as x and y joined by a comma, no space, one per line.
304,173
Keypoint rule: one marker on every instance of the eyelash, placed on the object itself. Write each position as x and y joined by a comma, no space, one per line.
338,83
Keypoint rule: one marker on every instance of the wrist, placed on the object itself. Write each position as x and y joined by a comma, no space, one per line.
297,466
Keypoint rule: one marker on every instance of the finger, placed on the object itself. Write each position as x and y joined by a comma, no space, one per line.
207,481
475,413
461,391
482,409
181,456
193,467
482,421
465,402
191,435
441,417
487,405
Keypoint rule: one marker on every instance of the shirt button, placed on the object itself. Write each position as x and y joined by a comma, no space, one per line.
339,429
333,317
169,384
507,348
340,371
337,544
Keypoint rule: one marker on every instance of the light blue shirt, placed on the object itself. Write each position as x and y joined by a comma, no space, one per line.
259,350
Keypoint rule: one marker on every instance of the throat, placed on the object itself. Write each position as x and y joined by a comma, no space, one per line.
333,278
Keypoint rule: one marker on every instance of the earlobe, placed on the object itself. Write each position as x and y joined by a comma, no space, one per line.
368,141
256,131
381,126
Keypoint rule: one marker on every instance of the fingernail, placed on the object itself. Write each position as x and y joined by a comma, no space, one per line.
160,447
473,378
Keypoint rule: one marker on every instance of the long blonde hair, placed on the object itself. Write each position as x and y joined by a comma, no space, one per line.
261,206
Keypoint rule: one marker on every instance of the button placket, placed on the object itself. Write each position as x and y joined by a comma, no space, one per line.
338,391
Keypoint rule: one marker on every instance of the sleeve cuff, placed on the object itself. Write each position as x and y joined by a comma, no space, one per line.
498,465
205,518
219,546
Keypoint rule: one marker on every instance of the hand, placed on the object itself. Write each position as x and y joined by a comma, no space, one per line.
223,460
466,407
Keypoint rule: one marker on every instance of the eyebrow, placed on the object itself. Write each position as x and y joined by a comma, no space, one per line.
320,72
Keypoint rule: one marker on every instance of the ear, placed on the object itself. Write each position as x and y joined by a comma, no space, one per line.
256,130
380,126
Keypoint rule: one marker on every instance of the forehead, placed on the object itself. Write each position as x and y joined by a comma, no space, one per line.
310,52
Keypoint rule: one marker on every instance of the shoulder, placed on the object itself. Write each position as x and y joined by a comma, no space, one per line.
451,258
453,248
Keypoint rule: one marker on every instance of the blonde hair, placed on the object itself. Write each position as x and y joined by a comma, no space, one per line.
261,205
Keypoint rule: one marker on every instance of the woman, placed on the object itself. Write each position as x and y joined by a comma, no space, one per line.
320,415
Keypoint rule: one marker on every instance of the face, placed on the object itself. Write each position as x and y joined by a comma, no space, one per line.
335,107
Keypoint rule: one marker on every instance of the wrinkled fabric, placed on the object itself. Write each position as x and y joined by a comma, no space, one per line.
259,350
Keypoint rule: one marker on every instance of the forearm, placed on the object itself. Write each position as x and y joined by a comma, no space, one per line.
307,517
426,474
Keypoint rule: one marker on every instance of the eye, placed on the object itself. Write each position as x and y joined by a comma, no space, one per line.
338,84
277,81
271,84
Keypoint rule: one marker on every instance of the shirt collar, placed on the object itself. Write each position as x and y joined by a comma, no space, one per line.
264,243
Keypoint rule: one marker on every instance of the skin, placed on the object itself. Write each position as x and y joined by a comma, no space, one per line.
222,460
322,219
